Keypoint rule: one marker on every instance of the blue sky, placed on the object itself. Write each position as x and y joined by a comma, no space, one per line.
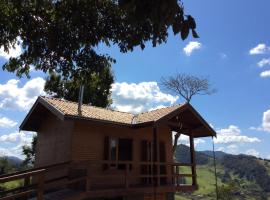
233,51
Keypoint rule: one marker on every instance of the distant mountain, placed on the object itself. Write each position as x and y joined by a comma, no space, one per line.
182,155
241,176
14,160
219,154
11,160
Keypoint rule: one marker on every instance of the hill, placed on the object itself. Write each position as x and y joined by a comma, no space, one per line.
182,154
9,164
218,154
239,176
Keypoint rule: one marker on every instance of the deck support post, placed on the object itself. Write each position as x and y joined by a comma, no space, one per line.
40,186
192,159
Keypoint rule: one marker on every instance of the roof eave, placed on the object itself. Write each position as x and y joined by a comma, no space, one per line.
139,125
188,106
47,105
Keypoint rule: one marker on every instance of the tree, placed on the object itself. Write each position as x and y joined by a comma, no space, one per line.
97,86
186,86
62,36
30,152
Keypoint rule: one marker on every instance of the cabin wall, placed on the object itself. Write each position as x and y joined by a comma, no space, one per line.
54,141
88,145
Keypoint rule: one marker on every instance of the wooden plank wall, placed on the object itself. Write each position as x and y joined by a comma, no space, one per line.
88,145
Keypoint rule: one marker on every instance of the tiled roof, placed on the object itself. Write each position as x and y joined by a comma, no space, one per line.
71,109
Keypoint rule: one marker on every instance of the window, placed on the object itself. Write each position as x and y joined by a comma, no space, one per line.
118,149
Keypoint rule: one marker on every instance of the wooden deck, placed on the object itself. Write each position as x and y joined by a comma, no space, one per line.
36,186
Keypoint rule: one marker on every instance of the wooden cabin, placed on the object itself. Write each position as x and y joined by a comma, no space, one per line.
106,154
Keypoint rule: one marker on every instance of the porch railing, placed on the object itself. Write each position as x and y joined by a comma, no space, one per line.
36,182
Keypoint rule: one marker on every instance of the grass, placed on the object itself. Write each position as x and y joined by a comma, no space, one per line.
12,184
206,182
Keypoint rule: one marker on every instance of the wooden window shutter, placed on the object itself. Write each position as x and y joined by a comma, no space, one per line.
144,150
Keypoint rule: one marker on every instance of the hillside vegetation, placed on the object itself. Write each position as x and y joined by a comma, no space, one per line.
240,177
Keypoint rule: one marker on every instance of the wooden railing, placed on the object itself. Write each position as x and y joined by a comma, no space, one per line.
35,182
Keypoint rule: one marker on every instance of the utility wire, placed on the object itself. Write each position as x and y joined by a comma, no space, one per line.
215,166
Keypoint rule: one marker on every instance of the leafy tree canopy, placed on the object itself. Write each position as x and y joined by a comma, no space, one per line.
97,87
61,36
30,152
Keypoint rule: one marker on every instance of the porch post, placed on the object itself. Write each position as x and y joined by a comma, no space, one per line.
192,159
156,168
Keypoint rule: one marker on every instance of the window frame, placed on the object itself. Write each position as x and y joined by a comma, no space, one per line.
116,165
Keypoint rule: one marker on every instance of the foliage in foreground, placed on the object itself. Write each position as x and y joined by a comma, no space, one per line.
62,36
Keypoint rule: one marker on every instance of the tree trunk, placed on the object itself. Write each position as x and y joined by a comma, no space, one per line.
176,137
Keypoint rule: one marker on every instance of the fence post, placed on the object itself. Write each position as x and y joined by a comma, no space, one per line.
177,175
192,159
40,186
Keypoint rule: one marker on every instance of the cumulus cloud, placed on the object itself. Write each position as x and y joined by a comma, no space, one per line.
265,126
139,97
15,142
259,49
266,121
265,74
232,149
221,149
185,140
14,97
13,52
6,152
263,62
6,122
231,135
23,138
191,46
252,152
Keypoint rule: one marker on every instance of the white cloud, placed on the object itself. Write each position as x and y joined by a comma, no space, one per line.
14,97
265,74
15,142
252,152
191,46
6,152
139,97
184,139
13,52
17,137
231,135
221,149
265,126
6,122
266,121
232,149
263,62
259,49
268,157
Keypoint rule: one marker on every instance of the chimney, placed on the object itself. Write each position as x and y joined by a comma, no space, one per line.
80,100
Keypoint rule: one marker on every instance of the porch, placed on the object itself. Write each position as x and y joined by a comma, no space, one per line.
83,185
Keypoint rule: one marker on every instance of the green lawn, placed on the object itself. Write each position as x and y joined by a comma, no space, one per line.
12,184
